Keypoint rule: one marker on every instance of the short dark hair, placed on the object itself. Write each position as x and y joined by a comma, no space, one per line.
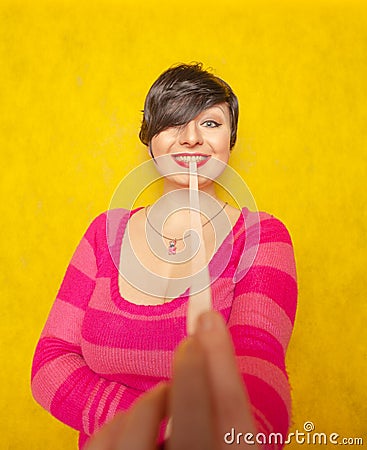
180,94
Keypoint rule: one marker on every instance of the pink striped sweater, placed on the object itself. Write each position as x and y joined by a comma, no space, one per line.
98,352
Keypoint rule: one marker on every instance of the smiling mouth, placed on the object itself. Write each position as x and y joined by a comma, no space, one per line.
183,159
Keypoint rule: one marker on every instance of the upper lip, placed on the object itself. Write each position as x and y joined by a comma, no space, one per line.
190,154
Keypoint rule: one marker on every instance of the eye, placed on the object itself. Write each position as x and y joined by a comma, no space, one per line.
211,124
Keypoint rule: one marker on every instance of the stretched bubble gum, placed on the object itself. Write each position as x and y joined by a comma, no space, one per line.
200,301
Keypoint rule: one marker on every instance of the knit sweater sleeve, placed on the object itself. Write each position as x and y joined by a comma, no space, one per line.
61,380
261,323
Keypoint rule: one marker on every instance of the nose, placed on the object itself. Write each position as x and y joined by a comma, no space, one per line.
190,135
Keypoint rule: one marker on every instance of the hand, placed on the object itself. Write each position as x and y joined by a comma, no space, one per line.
207,395
205,399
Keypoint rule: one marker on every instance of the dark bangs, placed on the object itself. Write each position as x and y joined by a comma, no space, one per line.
179,95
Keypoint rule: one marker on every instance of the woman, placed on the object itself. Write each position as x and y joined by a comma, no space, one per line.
112,331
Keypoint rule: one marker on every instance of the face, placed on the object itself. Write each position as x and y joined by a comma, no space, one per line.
204,137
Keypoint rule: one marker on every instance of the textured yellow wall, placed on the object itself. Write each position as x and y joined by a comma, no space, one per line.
73,79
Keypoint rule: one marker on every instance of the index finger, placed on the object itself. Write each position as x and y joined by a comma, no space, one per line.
229,396
191,406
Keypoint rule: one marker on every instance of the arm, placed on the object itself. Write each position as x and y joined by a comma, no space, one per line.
62,382
261,324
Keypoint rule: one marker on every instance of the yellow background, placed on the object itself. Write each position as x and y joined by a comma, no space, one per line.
73,79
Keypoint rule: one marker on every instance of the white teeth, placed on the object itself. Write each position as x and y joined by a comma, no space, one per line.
187,158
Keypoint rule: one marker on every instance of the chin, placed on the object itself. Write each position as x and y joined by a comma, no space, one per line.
180,181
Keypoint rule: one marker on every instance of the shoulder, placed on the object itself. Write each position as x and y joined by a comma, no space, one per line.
267,226
106,224
267,248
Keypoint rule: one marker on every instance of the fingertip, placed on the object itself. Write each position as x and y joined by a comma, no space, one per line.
159,392
210,321
214,336
185,347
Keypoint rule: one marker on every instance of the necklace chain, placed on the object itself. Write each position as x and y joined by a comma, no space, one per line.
181,239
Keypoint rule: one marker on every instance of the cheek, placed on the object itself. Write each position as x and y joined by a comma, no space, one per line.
160,144
223,147
226,158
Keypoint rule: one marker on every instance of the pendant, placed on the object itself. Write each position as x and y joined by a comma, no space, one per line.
172,247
